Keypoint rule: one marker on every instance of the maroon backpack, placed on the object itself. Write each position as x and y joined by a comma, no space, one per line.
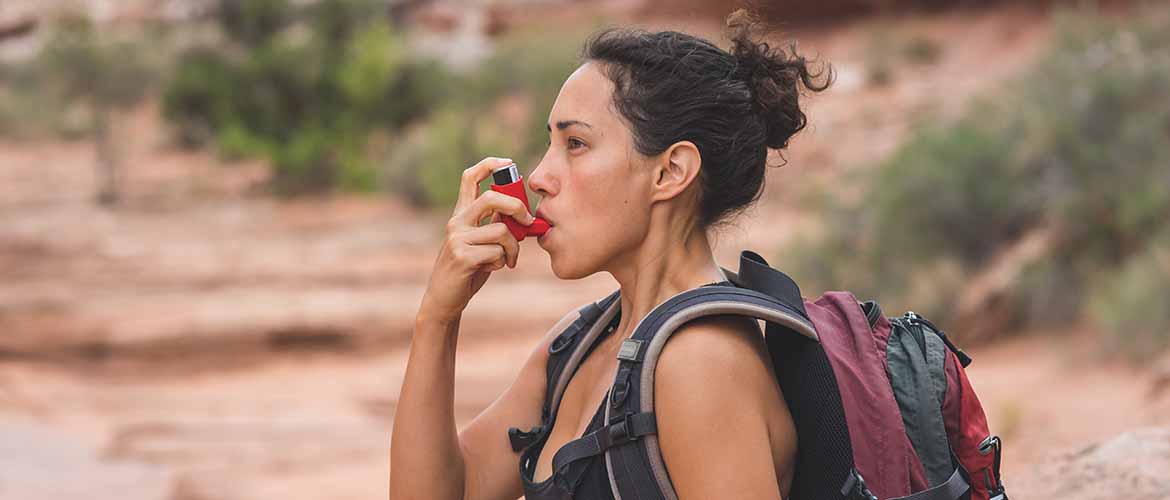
882,406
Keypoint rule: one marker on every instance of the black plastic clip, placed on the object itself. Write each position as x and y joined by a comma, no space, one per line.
522,439
855,489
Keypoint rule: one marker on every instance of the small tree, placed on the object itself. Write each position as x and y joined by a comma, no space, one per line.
101,72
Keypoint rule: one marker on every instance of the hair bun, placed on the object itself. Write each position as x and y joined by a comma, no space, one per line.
774,77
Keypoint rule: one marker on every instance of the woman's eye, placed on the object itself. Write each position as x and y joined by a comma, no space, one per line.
573,143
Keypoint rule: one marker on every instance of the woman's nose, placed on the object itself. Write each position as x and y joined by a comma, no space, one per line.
538,182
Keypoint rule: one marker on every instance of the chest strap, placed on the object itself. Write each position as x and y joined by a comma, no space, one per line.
629,428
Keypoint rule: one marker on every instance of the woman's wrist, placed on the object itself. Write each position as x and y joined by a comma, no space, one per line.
431,317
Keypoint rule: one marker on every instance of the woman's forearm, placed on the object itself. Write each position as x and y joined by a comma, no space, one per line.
425,457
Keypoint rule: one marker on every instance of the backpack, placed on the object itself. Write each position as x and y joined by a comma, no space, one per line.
884,400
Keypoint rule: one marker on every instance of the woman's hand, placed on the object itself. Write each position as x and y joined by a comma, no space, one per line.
471,252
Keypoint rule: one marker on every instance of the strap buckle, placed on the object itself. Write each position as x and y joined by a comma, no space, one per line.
616,433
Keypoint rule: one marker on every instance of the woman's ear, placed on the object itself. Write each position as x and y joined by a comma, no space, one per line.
676,168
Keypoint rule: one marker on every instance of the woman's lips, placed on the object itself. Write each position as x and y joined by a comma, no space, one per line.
541,215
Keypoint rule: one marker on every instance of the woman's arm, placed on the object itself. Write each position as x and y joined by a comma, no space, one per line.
428,459
714,395
424,451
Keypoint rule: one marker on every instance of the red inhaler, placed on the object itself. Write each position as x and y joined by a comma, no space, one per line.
507,180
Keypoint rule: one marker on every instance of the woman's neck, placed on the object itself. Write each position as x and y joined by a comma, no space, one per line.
659,269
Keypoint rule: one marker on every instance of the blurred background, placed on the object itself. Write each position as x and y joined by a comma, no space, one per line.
217,219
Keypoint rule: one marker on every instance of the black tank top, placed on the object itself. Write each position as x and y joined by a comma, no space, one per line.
594,482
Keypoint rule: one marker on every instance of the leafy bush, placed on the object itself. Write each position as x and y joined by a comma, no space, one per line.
307,87
1131,305
1078,144
331,95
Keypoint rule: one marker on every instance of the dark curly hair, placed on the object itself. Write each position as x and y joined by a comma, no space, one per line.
733,105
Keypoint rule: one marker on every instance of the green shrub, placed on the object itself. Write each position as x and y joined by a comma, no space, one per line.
952,191
1130,306
1078,144
254,22
308,87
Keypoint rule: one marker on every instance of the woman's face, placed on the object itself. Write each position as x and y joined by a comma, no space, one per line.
594,192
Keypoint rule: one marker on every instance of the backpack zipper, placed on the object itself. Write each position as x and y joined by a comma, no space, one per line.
964,358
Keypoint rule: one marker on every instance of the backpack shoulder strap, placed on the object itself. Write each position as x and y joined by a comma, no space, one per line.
629,439
564,355
755,274
569,348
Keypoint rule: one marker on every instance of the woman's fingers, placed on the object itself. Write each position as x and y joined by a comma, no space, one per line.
492,201
492,241
470,253
491,257
472,176
496,233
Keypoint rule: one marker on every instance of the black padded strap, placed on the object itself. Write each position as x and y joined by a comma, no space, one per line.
595,443
756,274
952,489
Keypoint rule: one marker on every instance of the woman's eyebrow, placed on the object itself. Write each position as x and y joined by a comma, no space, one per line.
561,125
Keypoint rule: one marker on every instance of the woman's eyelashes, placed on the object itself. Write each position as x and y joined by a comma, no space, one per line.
573,143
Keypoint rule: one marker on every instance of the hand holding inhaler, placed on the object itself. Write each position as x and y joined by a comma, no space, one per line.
470,252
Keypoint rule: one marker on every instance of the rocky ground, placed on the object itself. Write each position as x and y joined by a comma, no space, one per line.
205,341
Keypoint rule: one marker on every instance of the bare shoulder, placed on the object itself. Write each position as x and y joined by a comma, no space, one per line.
714,395
719,346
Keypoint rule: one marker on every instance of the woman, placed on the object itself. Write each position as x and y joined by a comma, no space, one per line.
655,140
